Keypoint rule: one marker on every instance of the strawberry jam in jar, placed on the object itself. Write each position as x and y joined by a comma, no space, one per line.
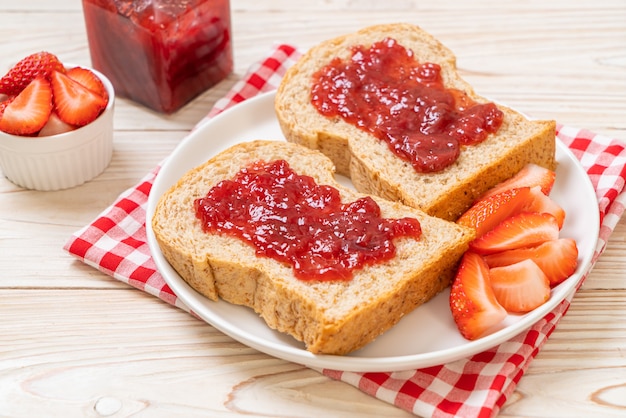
160,53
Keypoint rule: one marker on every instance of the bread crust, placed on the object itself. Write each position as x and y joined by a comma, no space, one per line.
329,317
373,168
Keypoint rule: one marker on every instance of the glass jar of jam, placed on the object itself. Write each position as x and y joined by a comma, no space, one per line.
160,53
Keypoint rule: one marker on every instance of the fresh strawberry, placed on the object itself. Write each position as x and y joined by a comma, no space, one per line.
486,213
28,69
530,176
473,304
557,258
88,79
525,229
55,126
541,203
30,110
520,287
74,103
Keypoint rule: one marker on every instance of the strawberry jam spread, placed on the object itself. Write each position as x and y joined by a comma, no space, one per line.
386,92
290,218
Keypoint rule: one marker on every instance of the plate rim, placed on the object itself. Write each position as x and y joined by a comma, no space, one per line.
190,297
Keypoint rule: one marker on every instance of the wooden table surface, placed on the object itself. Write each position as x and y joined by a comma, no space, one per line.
77,343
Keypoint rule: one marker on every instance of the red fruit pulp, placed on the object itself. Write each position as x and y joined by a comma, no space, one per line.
160,53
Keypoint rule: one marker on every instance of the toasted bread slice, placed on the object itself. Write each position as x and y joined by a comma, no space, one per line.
334,317
373,168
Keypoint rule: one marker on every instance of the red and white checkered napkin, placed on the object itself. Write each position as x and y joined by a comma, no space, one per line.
115,243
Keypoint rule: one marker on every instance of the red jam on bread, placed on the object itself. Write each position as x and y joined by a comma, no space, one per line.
386,92
290,218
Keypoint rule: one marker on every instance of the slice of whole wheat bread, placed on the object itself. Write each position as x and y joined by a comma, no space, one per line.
368,161
334,317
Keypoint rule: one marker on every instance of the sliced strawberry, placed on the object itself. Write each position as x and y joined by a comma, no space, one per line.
55,126
541,203
522,230
520,287
530,176
30,110
485,214
5,102
473,304
74,103
557,259
88,79
40,64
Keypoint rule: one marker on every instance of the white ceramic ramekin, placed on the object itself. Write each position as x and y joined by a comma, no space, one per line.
64,160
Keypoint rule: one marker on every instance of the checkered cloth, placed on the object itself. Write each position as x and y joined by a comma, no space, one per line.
115,243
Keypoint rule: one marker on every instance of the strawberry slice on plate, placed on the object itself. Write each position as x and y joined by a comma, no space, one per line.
530,175
74,103
39,64
541,203
487,213
525,229
520,287
88,79
473,304
558,259
29,111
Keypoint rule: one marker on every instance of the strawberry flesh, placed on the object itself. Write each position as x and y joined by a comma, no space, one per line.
88,79
473,304
74,103
487,213
541,203
522,230
39,64
520,287
530,175
5,102
557,259
29,111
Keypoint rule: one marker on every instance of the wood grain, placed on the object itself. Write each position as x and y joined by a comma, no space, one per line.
77,343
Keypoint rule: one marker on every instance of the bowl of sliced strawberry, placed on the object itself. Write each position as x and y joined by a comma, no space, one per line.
56,123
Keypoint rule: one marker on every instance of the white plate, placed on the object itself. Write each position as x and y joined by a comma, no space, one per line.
427,336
